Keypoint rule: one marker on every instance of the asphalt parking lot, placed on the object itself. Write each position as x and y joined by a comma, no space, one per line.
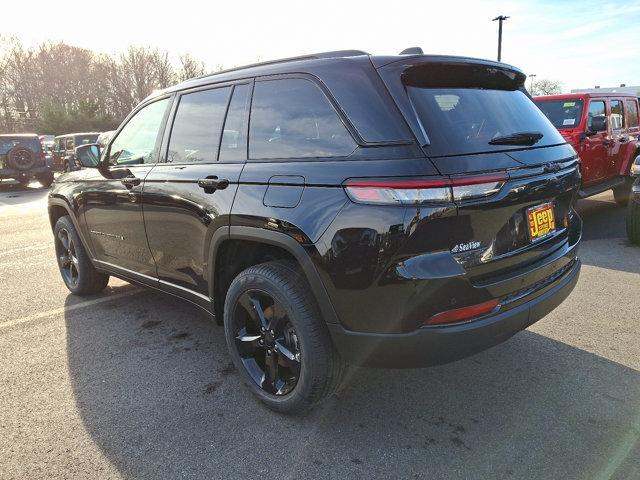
132,384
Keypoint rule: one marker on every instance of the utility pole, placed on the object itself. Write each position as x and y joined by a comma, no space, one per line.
500,18
531,75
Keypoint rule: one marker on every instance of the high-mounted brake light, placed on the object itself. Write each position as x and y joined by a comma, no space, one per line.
464,313
403,191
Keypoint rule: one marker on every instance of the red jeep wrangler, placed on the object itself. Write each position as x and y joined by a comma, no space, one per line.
604,130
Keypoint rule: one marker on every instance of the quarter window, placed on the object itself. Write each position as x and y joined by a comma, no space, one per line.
292,118
233,147
136,142
632,113
596,109
617,115
195,135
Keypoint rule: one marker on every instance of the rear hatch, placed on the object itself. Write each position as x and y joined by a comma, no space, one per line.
474,119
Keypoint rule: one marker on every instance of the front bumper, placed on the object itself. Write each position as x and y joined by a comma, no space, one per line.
437,345
14,173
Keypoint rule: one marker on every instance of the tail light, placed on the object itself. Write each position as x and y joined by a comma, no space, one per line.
402,191
464,313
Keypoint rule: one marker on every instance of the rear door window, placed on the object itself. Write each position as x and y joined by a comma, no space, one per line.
195,136
292,118
617,115
632,113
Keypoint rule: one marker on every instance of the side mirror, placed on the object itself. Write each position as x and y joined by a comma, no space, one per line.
88,155
598,124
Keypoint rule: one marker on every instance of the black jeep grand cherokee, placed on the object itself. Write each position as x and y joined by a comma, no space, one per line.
396,211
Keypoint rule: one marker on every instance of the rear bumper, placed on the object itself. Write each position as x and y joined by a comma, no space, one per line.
437,345
14,173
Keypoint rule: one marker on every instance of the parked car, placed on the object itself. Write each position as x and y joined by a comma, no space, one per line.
397,211
605,131
633,209
22,158
64,159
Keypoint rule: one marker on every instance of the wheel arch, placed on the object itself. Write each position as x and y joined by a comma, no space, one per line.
276,244
59,207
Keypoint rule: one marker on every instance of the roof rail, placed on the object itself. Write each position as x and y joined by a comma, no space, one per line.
313,56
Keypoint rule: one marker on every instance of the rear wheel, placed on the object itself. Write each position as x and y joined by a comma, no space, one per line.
633,222
24,181
77,271
277,338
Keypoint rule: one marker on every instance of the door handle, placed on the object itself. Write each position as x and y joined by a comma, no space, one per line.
212,183
130,181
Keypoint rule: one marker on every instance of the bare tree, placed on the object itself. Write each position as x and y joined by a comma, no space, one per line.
57,88
190,68
545,87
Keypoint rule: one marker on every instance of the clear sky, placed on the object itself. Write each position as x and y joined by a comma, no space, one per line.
581,43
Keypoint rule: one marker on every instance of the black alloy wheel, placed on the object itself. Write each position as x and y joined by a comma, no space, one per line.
78,273
67,257
267,342
277,338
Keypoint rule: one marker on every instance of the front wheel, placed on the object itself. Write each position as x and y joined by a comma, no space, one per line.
46,179
77,271
277,338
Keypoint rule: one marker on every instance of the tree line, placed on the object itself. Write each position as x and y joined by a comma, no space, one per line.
55,88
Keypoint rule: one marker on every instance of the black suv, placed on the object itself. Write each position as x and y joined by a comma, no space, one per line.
396,211
22,158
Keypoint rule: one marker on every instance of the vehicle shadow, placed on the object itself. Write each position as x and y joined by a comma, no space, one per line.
157,393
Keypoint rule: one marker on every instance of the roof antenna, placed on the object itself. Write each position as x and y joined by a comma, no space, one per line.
412,51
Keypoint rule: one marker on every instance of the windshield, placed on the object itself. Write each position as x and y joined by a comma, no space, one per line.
561,113
464,120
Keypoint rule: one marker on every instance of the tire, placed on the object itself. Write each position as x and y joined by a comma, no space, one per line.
633,222
21,158
286,301
46,179
622,193
24,181
77,271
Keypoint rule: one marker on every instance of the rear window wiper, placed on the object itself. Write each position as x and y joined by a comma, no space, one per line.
517,138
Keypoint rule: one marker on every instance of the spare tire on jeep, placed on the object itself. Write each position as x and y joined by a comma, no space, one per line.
21,158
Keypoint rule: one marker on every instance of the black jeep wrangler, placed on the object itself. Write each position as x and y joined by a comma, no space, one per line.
23,158
392,211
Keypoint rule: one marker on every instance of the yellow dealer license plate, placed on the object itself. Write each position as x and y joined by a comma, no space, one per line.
541,221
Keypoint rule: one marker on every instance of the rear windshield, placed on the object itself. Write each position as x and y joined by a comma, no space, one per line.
464,120
562,113
7,144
